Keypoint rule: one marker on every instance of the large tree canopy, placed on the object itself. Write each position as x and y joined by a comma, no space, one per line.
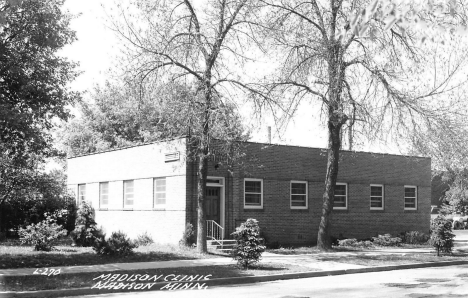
363,61
33,77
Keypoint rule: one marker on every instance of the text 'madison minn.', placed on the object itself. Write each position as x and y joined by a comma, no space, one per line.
146,282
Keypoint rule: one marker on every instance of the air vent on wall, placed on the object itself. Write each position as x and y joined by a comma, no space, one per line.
173,156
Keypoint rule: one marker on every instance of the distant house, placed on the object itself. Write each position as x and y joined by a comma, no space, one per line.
152,188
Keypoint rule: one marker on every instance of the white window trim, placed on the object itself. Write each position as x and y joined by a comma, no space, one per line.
159,206
416,198
125,205
383,198
261,197
101,205
342,208
306,195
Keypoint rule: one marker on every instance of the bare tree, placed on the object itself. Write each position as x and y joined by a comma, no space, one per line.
368,69
176,41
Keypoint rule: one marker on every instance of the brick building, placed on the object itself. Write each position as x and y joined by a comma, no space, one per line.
151,188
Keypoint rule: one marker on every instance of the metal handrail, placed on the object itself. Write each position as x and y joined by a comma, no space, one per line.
214,231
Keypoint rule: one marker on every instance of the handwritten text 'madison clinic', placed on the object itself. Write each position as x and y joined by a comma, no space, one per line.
146,282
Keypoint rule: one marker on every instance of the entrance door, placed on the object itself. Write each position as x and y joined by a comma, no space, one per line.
212,204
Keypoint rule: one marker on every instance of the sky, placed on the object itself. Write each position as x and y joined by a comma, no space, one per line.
96,51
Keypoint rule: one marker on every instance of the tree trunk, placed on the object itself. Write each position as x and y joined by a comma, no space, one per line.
203,153
201,186
334,144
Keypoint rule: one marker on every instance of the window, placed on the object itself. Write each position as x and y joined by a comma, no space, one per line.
411,197
341,196
128,193
81,193
376,197
159,188
253,193
298,195
103,194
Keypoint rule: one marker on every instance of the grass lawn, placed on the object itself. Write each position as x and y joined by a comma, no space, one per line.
85,280
14,255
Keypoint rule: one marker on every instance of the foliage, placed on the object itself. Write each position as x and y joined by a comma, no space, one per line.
117,244
43,234
248,248
414,237
86,231
34,78
144,239
386,240
441,234
188,236
45,193
456,197
352,242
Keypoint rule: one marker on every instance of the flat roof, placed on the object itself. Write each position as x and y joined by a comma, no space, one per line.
251,142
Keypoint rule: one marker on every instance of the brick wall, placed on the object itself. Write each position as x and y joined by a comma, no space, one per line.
278,165
141,164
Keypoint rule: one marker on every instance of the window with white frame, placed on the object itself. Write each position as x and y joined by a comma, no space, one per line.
129,193
159,196
253,193
298,195
81,193
376,197
411,197
341,196
103,194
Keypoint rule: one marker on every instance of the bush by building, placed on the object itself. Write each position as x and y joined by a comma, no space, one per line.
441,234
248,249
118,244
43,234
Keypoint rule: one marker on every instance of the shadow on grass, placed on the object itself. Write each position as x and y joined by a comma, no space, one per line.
69,257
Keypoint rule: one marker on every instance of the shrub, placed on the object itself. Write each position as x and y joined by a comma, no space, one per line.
354,243
248,248
117,244
86,231
188,236
386,240
43,234
414,237
144,239
441,234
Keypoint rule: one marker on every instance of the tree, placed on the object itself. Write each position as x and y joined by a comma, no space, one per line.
175,41
33,86
365,63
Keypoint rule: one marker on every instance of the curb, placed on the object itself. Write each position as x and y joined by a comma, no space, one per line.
233,280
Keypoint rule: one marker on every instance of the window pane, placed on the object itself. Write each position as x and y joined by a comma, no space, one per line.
252,199
298,200
376,191
410,192
128,192
253,186
340,201
376,202
340,190
298,188
159,191
104,188
410,202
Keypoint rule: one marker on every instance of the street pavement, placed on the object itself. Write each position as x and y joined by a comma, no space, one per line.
450,282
